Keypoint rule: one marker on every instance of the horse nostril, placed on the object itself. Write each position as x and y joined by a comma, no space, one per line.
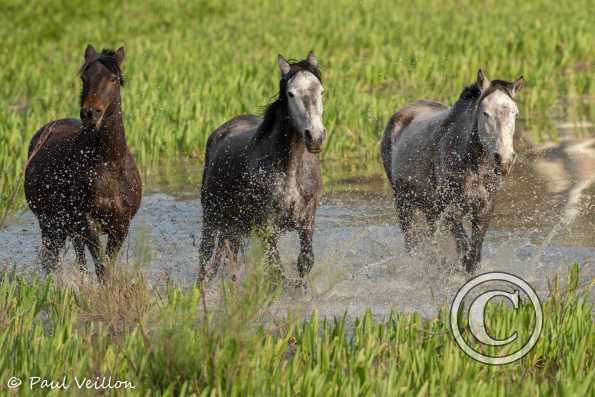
308,135
498,158
90,113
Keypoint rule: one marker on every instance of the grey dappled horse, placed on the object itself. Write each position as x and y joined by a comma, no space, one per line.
447,162
264,173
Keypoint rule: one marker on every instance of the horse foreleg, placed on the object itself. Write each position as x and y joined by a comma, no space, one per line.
79,248
306,258
479,227
226,252
207,245
91,238
272,257
406,220
52,240
115,240
432,219
233,248
455,226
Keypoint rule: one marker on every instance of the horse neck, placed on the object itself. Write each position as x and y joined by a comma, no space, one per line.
461,132
286,145
110,138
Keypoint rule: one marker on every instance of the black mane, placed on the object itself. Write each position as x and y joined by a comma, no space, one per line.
279,105
472,94
469,99
500,85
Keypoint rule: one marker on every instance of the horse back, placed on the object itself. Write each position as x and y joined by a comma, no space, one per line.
239,125
398,123
54,131
49,151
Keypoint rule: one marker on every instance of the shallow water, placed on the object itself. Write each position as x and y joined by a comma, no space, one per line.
544,221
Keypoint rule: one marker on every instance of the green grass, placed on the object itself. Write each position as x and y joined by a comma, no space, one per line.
192,65
165,342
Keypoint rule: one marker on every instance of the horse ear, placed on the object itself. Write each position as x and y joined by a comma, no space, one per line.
517,85
120,55
312,59
284,66
482,80
90,52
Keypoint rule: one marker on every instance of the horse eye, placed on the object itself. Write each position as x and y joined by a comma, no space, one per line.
486,114
114,78
290,94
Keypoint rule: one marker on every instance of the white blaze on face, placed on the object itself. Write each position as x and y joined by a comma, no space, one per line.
304,96
496,123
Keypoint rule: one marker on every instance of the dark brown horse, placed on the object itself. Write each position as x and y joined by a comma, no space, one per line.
447,162
81,179
265,173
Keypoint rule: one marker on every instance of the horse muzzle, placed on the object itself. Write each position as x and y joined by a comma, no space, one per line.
503,167
314,142
91,117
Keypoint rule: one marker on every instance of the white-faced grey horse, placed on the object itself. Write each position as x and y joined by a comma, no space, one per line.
264,173
447,162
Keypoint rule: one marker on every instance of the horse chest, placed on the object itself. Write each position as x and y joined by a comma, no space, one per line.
288,200
110,191
480,187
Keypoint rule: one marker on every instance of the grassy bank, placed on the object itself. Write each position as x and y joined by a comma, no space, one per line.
167,343
192,65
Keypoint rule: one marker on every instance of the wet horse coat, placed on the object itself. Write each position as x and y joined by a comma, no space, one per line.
447,162
81,178
264,173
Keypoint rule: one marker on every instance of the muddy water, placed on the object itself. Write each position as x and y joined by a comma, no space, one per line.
544,221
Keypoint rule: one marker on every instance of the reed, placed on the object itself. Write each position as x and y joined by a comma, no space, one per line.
165,342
